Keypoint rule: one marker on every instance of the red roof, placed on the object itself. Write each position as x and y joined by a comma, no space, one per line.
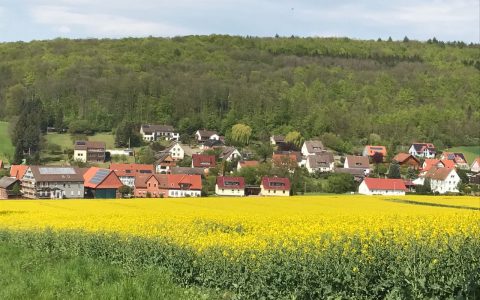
227,182
97,178
130,170
183,181
276,183
385,184
203,161
18,171
432,162
402,157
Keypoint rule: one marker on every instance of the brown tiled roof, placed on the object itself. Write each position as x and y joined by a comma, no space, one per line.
130,170
187,170
314,146
320,159
55,173
438,173
358,161
85,145
401,157
6,182
203,161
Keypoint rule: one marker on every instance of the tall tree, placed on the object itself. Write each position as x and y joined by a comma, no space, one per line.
241,133
394,170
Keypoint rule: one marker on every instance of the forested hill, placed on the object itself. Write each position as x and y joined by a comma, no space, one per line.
401,91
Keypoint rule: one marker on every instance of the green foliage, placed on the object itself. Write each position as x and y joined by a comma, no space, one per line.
352,88
295,138
81,127
127,135
6,147
425,189
37,274
250,175
125,190
394,170
146,156
16,190
185,162
419,271
241,134
340,183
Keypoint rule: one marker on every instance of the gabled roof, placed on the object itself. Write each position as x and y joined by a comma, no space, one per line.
457,157
357,162
129,170
477,160
182,181
6,182
149,128
439,173
385,184
203,161
432,162
141,180
101,178
276,183
227,151
281,157
420,147
56,173
163,157
249,163
354,172
186,148
206,134
320,159
18,171
227,182
402,157
85,145
314,146
371,150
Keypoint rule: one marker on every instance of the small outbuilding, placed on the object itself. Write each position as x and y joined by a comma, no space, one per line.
382,186
101,183
7,187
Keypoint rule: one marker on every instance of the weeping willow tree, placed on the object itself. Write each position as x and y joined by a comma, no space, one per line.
294,138
241,133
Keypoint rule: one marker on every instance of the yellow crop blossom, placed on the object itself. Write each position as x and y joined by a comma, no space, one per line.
237,225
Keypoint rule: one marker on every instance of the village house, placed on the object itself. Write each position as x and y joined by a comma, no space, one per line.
443,180
127,172
371,150
188,171
382,186
204,135
211,145
88,151
51,182
425,150
7,185
320,162
407,160
288,160
164,162
203,161
229,154
183,185
432,162
151,186
458,158
357,162
247,163
101,183
476,165
275,186
358,174
151,133
230,186
179,151
312,148
18,171
277,139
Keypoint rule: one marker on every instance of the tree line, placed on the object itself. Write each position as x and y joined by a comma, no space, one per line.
344,90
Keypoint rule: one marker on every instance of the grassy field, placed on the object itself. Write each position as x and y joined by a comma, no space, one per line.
470,152
28,274
6,147
311,247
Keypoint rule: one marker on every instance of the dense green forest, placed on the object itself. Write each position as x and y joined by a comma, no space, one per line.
398,91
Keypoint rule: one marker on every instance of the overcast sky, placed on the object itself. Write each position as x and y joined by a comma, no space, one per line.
447,20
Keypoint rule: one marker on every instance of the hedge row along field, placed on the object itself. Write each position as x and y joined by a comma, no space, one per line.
350,247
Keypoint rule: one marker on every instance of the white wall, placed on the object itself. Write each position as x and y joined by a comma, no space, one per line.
265,192
229,192
364,190
183,193
80,155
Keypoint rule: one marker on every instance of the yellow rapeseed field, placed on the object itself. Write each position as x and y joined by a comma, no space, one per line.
242,224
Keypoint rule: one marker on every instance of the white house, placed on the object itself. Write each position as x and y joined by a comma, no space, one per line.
476,165
230,186
205,135
179,151
425,150
357,162
152,133
275,186
443,180
312,148
321,162
230,153
382,186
